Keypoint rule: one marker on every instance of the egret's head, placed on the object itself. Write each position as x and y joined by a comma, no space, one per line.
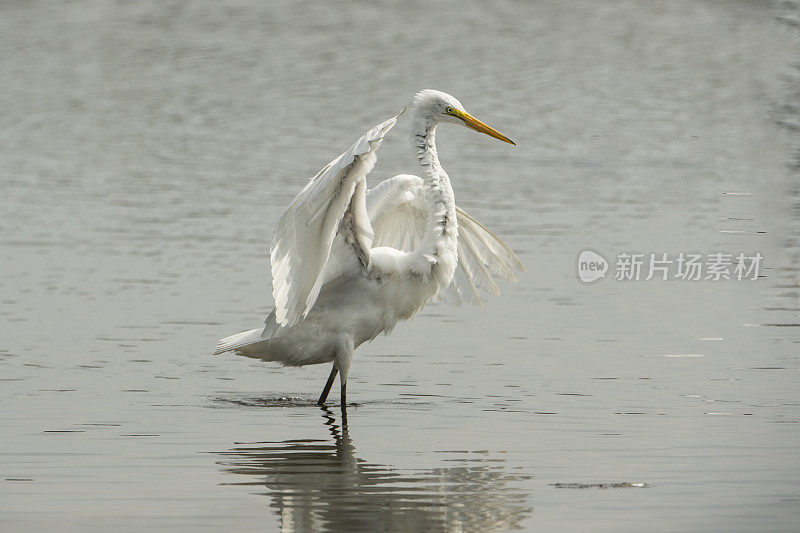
442,107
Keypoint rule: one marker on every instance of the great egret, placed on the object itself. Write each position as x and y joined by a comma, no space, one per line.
348,264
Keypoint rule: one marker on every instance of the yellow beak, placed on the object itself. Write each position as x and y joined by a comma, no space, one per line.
477,125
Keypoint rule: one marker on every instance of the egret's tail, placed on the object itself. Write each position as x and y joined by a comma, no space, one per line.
239,341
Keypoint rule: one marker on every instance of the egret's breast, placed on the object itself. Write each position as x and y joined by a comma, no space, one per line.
406,281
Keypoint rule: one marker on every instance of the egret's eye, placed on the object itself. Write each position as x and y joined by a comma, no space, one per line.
448,110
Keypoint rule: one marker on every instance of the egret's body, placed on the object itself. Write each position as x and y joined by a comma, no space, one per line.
348,263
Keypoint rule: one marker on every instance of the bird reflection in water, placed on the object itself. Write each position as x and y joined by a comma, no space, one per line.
316,485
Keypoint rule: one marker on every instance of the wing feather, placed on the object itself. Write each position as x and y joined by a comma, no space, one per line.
398,213
304,235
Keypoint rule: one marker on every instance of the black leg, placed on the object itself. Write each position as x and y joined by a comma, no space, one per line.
327,389
344,405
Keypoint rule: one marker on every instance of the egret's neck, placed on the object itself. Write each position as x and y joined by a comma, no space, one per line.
441,229
423,138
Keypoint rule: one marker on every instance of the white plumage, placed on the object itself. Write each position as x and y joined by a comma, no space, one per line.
348,264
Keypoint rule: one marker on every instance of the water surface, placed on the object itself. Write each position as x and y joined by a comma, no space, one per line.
147,150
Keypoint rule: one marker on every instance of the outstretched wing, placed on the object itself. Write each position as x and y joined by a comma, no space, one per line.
332,203
481,255
398,214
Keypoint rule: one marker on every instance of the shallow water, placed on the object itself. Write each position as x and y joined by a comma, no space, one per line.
147,149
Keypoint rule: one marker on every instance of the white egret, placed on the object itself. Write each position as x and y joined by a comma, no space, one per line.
348,264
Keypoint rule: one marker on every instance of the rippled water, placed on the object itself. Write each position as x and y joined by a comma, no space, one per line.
148,148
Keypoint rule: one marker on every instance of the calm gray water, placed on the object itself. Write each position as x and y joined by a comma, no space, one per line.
148,148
